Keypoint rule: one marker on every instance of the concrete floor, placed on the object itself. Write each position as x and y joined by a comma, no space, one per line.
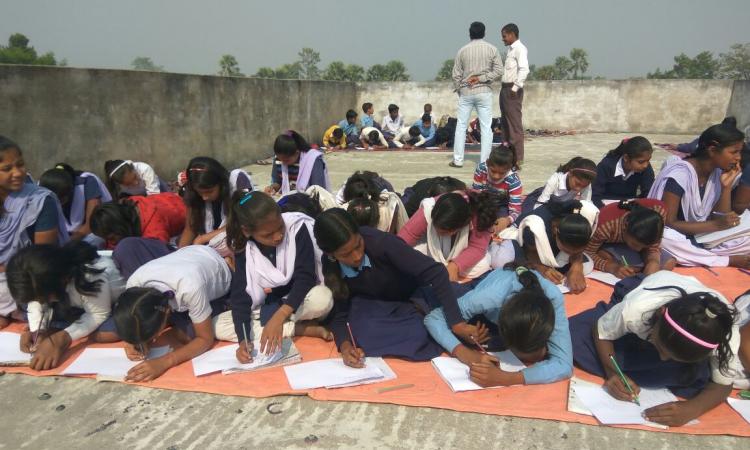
114,416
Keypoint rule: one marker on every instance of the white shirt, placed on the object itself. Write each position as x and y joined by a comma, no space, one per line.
557,185
96,308
364,136
196,274
403,135
516,65
392,125
148,181
632,314
619,171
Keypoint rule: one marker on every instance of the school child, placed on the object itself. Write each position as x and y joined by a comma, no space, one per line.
183,290
455,230
408,138
571,181
139,229
362,183
29,215
302,203
691,146
364,211
552,239
125,178
334,138
741,192
375,200
392,123
427,129
427,109
349,125
373,276
627,239
529,312
296,166
670,331
500,174
367,119
429,187
697,194
68,294
742,305
208,193
277,288
625,173
78,193
371,137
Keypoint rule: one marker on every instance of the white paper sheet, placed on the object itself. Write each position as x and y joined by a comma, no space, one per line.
604,277
224,358
717,237
388,373
108,362
741,406
611,411
10,350
564,289
456,373
329,372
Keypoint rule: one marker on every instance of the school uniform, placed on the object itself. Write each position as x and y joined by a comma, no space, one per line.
330,141
214,215
199,278
612,183
31,210
162,215
309,170
391,127
364,137
291,271
487,299
742,304
87,187
556,186
509,186
90,310
383,320
625,322
149,182
351,131
367,121
428,133
403,137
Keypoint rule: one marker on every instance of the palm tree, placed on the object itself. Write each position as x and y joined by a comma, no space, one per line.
580,62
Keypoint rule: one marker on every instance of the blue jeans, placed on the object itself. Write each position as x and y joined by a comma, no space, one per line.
466,103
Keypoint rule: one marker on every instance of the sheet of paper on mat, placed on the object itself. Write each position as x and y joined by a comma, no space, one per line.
388,373
224,359
604,277
741,406
456,373
329,373
564,289
10,350
108,363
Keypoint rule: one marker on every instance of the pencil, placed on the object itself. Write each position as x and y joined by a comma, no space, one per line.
351,335
624,380
247,346
395,388
745,271
711,270
143,352
481,349
624,261
36,335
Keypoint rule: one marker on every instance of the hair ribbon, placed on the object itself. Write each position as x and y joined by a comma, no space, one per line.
246,197
120,166
686,333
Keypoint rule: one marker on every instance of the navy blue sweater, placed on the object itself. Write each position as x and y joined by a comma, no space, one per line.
608,187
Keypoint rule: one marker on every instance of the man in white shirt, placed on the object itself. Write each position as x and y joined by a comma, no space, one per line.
511,95
408,138
393,122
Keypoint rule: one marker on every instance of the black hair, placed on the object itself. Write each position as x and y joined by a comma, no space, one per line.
426,118
366,106
338,133
730,121
61,180
119,219
414,131
719,136
581,167
139,314
7,144
527,318
42,272
334,228
361,185
392,107
301,202
476,30
702,315
113,178
247,209
430,187
426,105
351,114
511,28
289,142
503,157
572,228
454,210
644,224
632,147
203,172
373,137
365,211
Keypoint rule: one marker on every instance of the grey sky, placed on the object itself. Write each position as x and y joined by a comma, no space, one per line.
623,38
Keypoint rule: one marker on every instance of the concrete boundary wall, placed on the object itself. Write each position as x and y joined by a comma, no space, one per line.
86,116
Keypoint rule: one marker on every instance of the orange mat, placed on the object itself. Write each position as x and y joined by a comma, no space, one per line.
540,402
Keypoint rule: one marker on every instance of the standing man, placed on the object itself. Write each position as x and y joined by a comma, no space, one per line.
476,65
511,93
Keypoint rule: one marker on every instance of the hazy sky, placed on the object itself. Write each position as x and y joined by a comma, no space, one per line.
623,38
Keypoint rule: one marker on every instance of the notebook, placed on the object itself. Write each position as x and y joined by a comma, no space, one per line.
715,238
741,406
108,364
456,373
330,373
10,350
388,373
224,359
604,277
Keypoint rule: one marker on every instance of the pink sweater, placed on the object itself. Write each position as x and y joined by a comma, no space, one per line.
416,228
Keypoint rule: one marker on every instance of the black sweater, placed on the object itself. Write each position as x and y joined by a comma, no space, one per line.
608,187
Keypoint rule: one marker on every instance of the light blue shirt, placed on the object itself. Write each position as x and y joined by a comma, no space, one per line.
351,272
487,298
349,128
428,133
367,121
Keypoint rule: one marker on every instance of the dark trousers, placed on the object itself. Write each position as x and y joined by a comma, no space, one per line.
510,122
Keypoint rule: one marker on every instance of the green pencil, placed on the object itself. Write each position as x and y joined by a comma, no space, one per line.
624,261
624,380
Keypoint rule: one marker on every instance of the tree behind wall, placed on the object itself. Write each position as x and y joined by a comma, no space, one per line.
338,71
18,51
308,63
145,63
229,67
702,66
735,64
392,71
580,62
446,71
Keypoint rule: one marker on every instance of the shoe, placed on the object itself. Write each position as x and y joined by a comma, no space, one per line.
453,164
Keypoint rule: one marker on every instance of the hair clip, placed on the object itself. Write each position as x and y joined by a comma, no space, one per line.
246,197
625,141
709,314
521,270
59,167
198,169
168,294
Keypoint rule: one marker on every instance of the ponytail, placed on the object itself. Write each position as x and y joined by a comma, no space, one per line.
139,313
718,136
573,228
61,181
454,210
503,156
333,229
364,211
248,209
289,142
632,147
361,185
527,318
644,224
